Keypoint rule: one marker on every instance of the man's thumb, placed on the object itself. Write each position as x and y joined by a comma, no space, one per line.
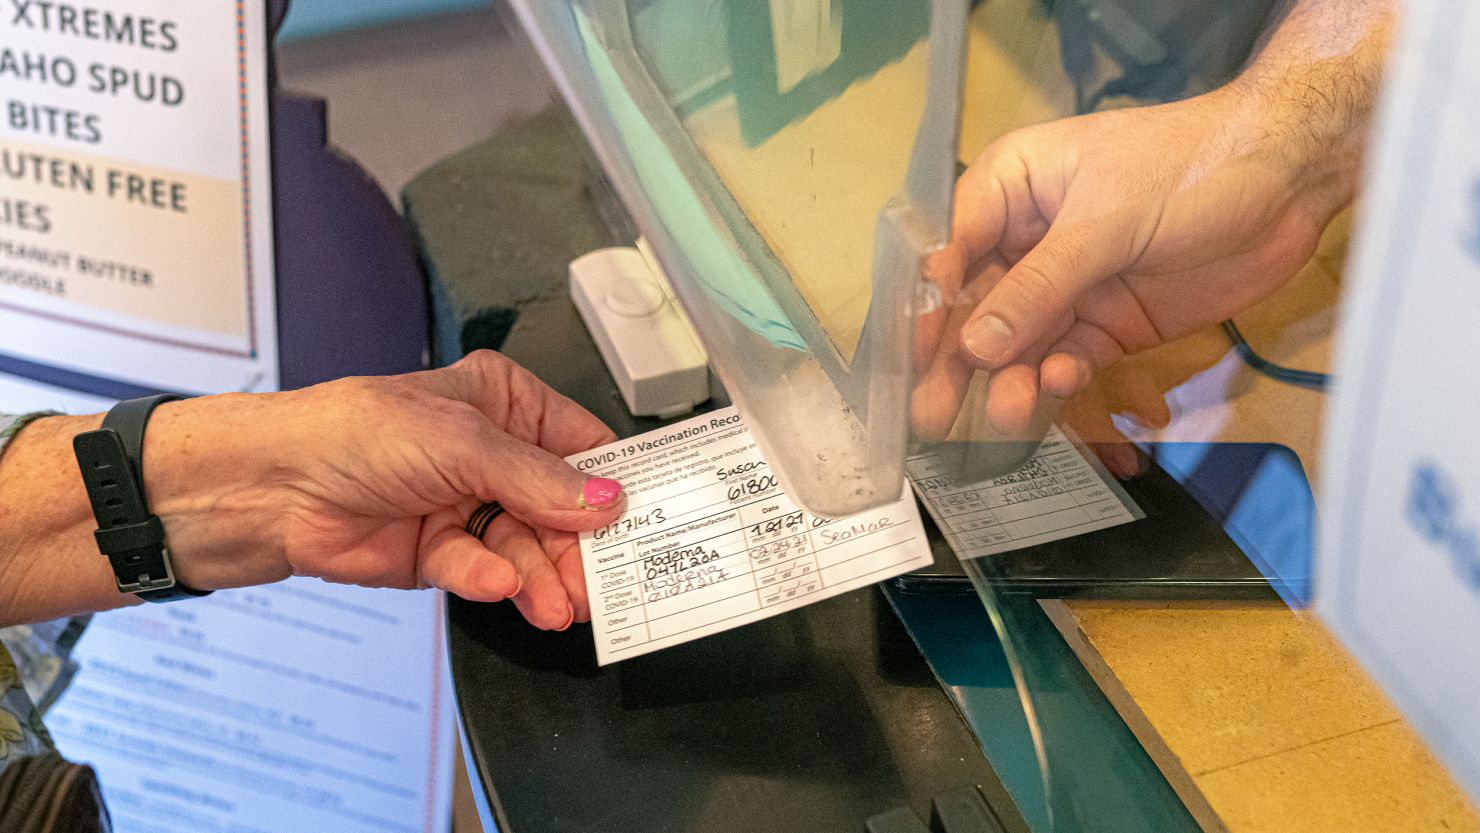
1037,291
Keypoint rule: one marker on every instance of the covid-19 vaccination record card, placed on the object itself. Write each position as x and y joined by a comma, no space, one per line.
710,541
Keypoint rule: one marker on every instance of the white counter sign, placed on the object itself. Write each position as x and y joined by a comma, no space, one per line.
135,200
1399,567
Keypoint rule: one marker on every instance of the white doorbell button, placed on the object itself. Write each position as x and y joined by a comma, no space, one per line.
652,354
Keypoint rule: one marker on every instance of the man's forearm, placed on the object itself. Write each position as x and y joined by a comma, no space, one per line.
1312,82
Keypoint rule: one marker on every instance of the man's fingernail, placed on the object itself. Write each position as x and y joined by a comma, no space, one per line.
570,617
600,492
1143,462
989,339
1118,465
1082,377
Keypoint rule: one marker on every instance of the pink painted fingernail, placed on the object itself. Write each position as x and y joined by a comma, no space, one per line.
600,492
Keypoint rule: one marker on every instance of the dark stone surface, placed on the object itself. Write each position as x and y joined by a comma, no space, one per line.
809,722
498,225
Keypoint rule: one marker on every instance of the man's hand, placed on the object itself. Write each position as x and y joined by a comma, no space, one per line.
1079,241
362,481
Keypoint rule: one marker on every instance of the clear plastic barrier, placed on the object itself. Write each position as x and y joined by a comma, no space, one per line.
792,165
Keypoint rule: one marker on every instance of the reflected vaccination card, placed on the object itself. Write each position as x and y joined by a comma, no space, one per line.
1057,493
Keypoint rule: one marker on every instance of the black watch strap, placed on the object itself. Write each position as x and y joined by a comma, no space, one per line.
112,463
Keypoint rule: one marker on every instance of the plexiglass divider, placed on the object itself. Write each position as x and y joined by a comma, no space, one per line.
833,422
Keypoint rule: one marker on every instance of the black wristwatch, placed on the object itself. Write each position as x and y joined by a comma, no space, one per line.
112,462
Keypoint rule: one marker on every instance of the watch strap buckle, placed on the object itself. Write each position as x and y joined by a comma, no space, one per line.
149,567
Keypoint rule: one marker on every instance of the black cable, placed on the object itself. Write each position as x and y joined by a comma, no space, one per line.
1302,378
